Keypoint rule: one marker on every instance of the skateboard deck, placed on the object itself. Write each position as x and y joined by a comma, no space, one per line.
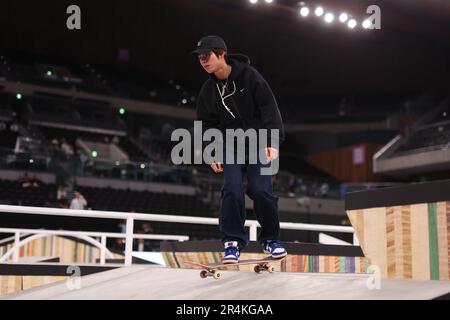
211,269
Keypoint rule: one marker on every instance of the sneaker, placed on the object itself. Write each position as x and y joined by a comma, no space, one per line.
275,249
231,254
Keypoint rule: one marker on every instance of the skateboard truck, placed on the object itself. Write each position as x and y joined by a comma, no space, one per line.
216,275
210,273
264,267
211,270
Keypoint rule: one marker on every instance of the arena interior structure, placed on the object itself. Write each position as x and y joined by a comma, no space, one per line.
88,113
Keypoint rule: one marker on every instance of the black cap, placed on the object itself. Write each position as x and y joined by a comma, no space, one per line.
209,43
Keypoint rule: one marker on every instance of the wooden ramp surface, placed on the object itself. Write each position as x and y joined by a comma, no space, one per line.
155,282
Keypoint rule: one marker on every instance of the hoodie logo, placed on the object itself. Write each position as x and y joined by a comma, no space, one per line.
199,44
242,90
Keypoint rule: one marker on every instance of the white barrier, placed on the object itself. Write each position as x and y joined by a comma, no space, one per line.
130,217
83,235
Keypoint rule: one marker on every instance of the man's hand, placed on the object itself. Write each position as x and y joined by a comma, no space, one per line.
217,167
271,153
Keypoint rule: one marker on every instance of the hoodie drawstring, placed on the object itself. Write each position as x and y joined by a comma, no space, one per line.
224,97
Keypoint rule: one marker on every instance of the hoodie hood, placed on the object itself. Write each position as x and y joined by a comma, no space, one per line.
238,57
238,63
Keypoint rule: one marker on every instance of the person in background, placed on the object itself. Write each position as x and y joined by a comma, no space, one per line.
61,195
119,243
145,244
78,202
34,180
25,180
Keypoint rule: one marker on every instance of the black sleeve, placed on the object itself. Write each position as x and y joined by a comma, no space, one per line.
265,100
208,118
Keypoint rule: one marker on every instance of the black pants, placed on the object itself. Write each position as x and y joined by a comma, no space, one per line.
232,208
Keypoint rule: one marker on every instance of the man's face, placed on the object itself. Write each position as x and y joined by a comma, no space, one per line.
210,62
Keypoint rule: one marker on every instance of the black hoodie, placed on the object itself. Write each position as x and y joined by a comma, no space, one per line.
248,101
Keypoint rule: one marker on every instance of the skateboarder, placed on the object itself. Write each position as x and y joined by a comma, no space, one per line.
237,96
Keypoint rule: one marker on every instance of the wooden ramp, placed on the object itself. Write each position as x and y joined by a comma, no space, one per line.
404,230
155,282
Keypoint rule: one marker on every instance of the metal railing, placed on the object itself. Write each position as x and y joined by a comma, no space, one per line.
86,236
131,217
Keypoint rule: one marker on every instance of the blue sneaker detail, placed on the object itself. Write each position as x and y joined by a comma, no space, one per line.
231,254
275,249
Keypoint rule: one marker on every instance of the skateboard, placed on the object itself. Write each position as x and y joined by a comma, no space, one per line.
211,269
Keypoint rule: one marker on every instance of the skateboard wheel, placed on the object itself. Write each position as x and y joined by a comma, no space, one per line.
216,275
271,269
203,274
257,269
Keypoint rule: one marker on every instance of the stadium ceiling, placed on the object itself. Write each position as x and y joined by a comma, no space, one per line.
297,55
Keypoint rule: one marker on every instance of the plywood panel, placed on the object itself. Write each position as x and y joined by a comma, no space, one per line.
406,242
443,244
419,242
376,238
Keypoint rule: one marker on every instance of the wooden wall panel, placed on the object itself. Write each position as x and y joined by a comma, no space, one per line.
406,242
339,163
